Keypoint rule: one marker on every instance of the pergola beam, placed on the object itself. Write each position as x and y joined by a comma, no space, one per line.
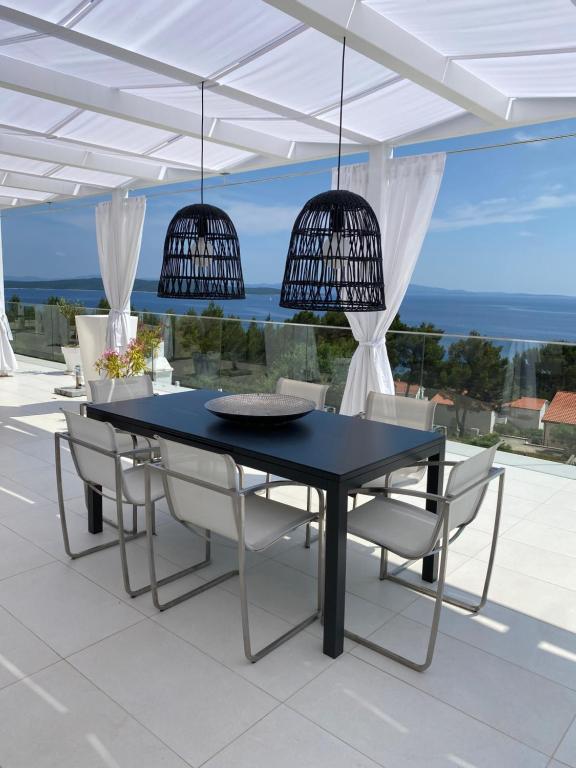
373,35
179,75
47,184
64,154
83,94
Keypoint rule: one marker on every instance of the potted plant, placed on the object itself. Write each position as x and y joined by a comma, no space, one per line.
71,351
120,365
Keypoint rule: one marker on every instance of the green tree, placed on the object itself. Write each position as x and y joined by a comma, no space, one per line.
473,376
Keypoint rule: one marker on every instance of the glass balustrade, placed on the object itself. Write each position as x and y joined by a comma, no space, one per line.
485,389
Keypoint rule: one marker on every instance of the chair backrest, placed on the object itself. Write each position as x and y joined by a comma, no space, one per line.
129,388
465,474
402,411
305,389
194,504
92,467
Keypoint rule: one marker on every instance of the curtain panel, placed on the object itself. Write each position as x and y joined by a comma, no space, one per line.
402,192
119,225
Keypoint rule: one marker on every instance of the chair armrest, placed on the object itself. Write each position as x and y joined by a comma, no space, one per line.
401,491
281,483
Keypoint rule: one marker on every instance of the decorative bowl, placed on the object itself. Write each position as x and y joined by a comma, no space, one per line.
259,408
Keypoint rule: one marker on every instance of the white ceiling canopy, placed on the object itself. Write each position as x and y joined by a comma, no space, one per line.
100,94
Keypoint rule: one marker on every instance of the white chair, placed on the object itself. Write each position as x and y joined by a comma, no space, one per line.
109,472
403,412
128,388
413,533
203,493
309,391
305,389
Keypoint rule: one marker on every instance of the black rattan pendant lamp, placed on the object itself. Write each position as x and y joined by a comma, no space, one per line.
334,259
201,250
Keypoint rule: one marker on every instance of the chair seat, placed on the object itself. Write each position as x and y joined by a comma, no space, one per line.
134,485
266,521
406,530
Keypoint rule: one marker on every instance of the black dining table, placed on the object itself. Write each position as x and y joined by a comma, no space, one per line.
323,450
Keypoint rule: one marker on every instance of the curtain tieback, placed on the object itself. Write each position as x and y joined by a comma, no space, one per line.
118,312
373,344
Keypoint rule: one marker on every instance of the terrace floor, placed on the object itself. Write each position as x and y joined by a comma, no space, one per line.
90,678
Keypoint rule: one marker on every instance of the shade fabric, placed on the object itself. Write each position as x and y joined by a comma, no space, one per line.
402,192
8,362
119,226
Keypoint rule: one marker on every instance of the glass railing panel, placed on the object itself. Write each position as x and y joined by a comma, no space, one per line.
485,389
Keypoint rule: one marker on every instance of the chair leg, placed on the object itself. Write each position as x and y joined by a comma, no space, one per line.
463,604
63,522
417,666
155,582
256,656
383,563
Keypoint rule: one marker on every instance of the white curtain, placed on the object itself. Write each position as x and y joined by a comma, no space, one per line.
8,362
402,192
119,226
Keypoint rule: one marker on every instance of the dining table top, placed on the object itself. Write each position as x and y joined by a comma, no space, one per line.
321,445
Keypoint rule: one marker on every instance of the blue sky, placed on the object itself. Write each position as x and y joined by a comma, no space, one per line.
505,220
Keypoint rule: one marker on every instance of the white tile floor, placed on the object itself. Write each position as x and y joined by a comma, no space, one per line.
89,677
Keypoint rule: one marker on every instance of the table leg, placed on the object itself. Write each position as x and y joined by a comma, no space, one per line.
435,484
94,505
335,570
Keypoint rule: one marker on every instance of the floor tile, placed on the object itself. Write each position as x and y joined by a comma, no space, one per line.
194,704
401,727
529,560
284,739
211,621
484,686
567,750
21,652
13,460
538,643
43,482
69,723
554,515
104,569
40,524
18,555
543,536
17,498
64,609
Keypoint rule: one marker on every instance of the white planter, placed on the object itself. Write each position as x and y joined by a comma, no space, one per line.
92,337
71,358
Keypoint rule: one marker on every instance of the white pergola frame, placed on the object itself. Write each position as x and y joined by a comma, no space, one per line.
405,57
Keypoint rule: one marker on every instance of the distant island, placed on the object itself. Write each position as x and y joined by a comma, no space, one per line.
95,284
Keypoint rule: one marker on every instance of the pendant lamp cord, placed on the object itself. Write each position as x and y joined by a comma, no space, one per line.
202,147
341,103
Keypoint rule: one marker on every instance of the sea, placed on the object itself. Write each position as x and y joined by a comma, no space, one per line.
499,315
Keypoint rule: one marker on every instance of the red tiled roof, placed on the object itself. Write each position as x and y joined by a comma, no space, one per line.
562,409
528,403
442,400
400,388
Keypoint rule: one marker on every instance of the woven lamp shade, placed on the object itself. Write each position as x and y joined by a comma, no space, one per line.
335,256
201,256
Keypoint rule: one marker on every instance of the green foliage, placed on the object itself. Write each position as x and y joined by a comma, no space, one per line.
103,304
473,376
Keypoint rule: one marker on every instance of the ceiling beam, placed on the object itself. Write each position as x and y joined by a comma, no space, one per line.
83,94
64,154
48,184
373,35
177,74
